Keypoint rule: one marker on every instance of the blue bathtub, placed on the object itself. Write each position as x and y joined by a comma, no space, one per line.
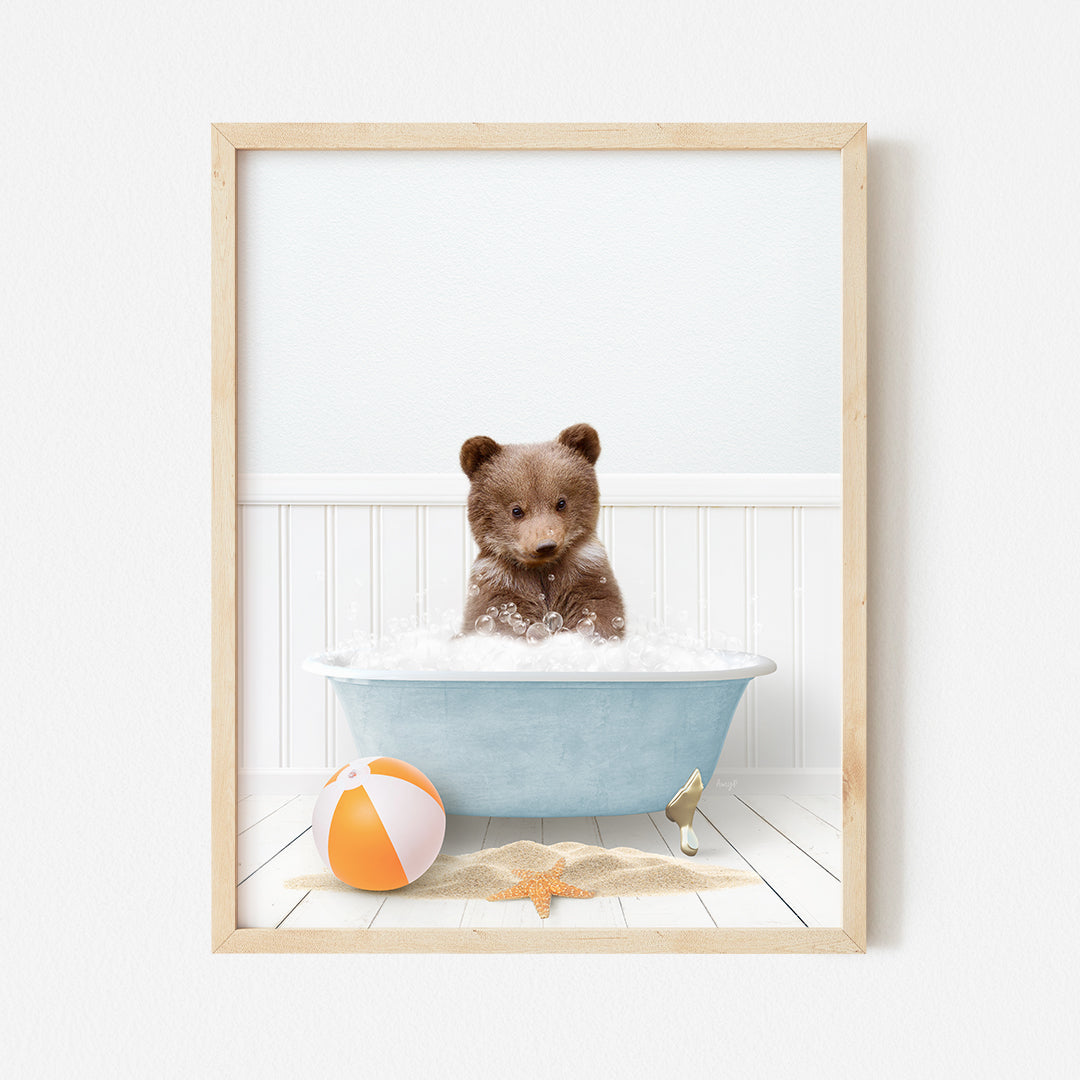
546,744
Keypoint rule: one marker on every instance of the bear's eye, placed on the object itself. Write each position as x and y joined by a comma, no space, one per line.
518,512
561,504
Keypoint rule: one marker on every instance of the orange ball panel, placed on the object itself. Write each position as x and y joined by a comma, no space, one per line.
373,864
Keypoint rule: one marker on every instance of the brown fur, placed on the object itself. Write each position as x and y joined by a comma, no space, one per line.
511,567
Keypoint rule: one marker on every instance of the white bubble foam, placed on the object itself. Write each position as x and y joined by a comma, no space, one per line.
435,647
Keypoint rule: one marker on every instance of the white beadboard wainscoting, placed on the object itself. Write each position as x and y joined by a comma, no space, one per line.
754,558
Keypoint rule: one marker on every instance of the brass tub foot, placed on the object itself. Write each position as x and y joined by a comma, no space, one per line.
681,811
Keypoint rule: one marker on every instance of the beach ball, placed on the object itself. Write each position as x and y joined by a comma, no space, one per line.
378,823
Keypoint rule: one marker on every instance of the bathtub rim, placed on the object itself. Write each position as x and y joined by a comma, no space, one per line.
755,665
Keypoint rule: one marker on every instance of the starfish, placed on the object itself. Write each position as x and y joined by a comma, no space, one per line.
540,886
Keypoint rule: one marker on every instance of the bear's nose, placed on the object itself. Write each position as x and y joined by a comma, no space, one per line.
546,547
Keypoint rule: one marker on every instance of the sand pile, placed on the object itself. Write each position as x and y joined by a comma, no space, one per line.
620,871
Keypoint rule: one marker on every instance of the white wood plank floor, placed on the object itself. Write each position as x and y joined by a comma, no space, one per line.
791,842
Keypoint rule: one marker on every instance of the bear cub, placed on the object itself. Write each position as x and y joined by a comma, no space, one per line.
533,509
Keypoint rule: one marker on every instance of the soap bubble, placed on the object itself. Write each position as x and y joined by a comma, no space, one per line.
551,577
603,581
618,622
653,657
474,589
435,645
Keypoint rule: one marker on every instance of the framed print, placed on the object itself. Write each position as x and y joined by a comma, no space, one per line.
539,537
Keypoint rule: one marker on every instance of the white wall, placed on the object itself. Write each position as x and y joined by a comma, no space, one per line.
104,439
687,305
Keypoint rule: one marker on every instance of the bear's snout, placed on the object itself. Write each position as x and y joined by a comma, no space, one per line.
540,539
535,552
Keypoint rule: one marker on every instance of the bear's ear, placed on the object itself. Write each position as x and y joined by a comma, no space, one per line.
583,439
475,451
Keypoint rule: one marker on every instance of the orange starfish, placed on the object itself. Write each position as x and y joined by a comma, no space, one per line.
540,886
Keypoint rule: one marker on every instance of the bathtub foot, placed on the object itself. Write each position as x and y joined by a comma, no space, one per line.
681,811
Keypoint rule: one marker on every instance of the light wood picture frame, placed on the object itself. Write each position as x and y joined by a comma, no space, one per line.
849,140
